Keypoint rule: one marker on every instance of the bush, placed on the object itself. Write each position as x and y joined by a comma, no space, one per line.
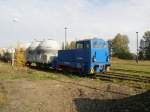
125,55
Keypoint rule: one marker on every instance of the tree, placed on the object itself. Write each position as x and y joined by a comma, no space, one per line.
120,47
20,57
70,45
141,55
67,45
63,46
110,47
145,45
147,36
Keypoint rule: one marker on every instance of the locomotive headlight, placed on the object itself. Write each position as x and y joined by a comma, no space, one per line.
107,59
94,59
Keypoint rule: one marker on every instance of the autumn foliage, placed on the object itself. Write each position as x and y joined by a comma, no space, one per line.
19,57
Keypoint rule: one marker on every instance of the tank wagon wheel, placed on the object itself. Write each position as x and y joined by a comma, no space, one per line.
28,64
38,66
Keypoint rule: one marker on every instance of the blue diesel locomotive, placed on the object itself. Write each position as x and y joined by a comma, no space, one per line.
89,57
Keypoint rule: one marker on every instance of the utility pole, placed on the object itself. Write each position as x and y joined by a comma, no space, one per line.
13,57
65,43
137,60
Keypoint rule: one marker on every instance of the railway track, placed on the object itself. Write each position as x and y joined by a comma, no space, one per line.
110,76
123,76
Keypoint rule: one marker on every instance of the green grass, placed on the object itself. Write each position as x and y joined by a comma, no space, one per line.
7,72
131,67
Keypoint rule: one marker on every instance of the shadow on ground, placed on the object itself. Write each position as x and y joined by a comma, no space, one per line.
63,72
137,103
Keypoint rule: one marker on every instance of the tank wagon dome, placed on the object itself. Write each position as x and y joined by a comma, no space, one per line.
49,44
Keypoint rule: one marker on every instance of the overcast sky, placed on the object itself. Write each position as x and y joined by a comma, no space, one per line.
24,20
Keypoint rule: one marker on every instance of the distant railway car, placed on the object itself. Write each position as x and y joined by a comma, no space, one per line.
8,54
2,51
89,57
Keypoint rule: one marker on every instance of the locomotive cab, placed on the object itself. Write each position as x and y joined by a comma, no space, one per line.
98,54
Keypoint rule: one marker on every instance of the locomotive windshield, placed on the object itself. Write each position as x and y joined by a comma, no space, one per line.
99,44
92,44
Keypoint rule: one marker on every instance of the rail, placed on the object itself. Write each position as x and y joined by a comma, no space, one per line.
124,76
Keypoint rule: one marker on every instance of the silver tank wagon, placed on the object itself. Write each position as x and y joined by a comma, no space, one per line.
31,53
47,51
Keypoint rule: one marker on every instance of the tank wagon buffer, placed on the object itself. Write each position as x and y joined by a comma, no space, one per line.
89,57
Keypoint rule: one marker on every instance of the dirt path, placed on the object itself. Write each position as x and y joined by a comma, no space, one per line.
55,96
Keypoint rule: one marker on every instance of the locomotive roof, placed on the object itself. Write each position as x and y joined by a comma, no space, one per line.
91,39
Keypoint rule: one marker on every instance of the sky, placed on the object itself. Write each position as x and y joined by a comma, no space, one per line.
25,20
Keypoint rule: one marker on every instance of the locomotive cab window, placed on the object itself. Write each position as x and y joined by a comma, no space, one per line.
86,44
81,45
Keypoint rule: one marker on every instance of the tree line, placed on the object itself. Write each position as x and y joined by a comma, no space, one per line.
144,50
119,47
